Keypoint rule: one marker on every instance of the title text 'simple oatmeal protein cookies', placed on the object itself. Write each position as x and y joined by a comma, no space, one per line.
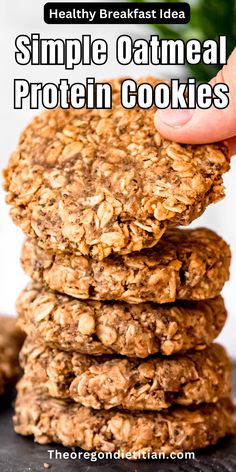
96,182
11,339
92,327
185,264
178,429
107,382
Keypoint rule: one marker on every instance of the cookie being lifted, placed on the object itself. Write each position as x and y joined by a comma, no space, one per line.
96,182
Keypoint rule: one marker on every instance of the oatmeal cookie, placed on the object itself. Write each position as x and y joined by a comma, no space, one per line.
186,264
131,384
96,182
180,428
91,327
11,339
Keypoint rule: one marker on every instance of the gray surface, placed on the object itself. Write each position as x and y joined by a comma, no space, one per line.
20,454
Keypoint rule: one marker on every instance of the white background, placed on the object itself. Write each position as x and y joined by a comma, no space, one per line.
25,17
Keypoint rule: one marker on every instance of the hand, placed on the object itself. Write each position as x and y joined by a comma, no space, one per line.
204,126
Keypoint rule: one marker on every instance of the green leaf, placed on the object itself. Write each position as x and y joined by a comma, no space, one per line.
209,20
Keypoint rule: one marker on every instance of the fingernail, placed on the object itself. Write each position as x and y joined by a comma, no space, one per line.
173,118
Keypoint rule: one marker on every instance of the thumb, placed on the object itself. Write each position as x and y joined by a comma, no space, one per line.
203,126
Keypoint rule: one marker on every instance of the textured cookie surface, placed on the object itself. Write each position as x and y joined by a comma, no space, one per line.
107,382
185,264
11,339
178,429
101,181
91,327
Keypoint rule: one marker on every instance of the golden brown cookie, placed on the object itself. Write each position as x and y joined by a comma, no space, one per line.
185,264
91,327
131,384
178,429
11,339
96,182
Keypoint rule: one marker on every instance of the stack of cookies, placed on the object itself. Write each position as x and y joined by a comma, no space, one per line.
123,307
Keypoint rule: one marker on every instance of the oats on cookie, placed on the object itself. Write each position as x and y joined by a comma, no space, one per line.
185,264
92,327
180,428
131,384
96,182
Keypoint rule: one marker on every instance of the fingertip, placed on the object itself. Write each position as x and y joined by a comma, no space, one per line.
232,146
198,126
173,118
172,124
